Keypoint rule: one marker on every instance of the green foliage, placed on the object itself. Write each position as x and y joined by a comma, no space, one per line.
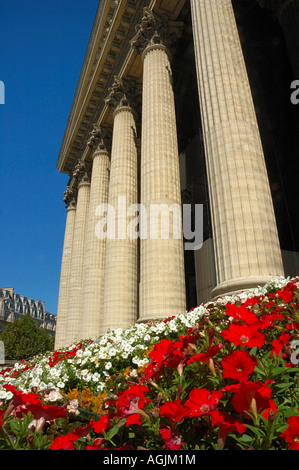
16,435
24,339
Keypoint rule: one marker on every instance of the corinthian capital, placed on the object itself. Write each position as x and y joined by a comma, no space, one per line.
82,171
123,93
155,30
99,138
69,197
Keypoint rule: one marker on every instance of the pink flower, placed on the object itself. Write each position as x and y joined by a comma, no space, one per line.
171,437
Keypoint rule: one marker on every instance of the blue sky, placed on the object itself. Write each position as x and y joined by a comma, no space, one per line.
43,44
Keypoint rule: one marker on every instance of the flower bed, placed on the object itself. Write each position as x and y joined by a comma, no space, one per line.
222,376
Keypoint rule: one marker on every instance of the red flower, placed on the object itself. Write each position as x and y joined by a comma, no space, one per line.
64,442
97,445
161,351
177,358
251,301
252,397
61,355
49,413
291,434
278,344
102,424
21,398
238,366
184,342
171,437
244,335
132,401
174,410
288,292
241,313
201,401
1,414
270,318
207,356
133,419
83,431
226,424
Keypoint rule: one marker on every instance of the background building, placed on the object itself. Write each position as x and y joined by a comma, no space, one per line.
185,101
14,306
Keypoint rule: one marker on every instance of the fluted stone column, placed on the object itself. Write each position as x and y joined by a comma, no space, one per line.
120,292
287,13
162,278
94,259
73,331
62,310
246,244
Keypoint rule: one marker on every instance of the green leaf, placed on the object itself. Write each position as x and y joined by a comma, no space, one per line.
115,429
259,432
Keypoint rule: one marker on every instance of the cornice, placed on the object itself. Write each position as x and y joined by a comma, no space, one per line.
108,54
108,41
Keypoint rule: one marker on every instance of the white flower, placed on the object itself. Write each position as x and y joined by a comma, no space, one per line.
112,352
4,395
35,382
96,377
108,366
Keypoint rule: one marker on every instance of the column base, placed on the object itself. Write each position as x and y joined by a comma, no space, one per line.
235,286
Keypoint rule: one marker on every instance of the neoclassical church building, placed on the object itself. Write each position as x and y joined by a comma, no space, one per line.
180,103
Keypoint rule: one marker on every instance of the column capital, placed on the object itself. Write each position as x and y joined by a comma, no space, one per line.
70,198
155,32
123,94
82,172
99,140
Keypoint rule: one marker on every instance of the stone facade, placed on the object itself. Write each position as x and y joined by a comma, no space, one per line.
174,109
14,306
